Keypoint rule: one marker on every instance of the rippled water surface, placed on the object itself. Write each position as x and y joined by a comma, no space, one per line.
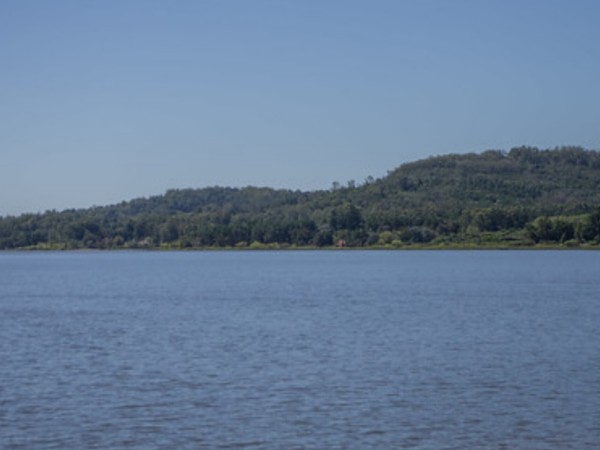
300,350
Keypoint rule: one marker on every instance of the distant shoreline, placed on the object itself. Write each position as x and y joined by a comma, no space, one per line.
266,248
524,198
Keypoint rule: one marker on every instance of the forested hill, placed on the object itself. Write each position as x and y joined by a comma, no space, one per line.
523,197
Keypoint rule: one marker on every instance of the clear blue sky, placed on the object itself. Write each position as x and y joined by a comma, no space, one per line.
103,101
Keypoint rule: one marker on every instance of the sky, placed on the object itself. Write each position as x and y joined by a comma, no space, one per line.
104,101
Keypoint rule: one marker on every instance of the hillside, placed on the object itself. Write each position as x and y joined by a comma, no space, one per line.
516,198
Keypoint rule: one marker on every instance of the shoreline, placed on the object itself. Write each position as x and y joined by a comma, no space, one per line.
279,247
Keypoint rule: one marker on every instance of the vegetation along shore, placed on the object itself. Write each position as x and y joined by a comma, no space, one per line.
522,198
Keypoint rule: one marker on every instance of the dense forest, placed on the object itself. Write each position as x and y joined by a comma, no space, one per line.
520,198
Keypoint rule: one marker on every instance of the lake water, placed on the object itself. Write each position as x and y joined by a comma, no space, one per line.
300,350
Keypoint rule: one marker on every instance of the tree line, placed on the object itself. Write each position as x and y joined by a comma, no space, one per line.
523,197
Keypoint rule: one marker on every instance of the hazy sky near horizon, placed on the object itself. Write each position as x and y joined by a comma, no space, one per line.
103,101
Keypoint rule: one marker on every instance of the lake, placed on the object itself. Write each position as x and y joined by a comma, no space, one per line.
300,350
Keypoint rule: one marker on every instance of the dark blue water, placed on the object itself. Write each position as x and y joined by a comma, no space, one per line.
300,350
